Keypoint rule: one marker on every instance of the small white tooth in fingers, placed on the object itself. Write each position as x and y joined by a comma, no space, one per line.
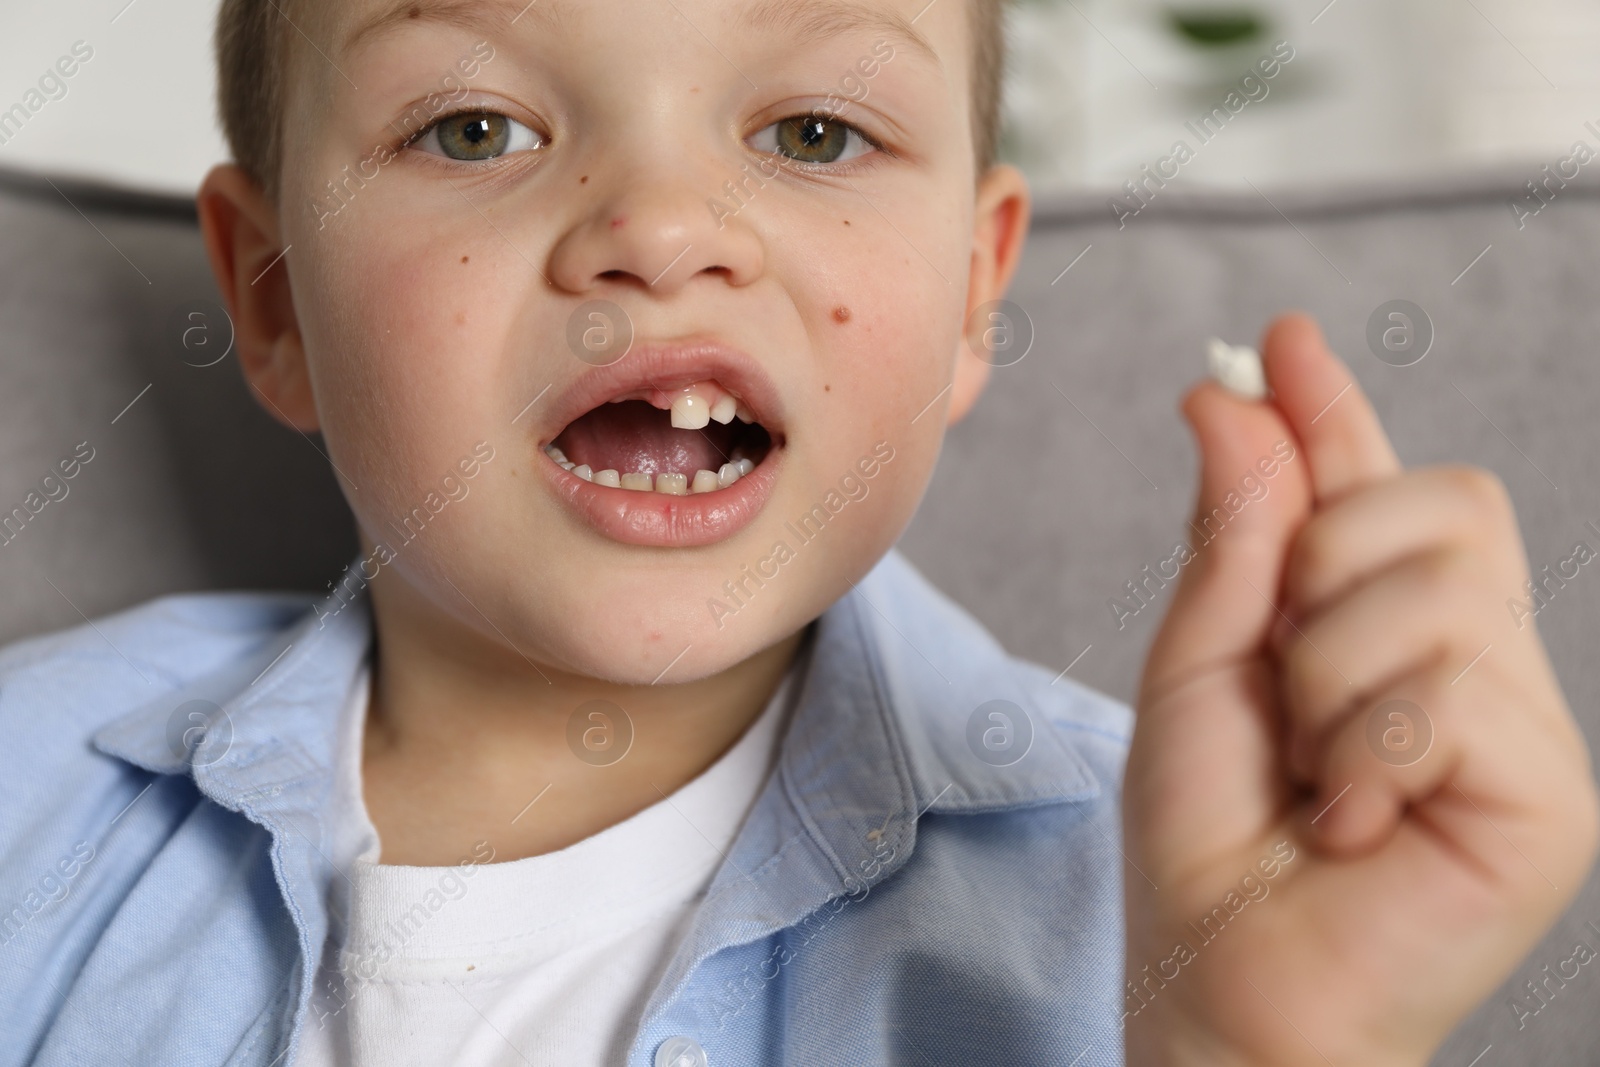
582,470
727,474
672,484
725,408
745,466
641,482
1237,368
608,477
744,413
704,482
690,411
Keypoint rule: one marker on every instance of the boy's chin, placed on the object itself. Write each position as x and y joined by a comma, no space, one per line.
650,657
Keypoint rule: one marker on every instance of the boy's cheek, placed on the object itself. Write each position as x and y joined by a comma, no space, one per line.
406,362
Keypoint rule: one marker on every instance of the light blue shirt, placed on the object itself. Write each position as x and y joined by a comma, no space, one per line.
931,875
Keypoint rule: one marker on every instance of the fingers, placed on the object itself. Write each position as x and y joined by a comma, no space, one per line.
1254,494
1429,609
1345,445
1401,748
1454,750
1368,530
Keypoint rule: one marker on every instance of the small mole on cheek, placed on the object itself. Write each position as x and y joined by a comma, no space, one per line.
841,314
847,222
461,318
583,180
826,388
463,259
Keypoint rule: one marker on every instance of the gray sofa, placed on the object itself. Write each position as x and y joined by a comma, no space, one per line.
109,328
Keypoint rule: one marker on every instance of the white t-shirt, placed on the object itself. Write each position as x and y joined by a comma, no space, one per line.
546,960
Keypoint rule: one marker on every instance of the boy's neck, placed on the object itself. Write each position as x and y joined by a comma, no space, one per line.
462,733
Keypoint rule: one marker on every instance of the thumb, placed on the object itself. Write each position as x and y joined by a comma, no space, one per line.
1255,493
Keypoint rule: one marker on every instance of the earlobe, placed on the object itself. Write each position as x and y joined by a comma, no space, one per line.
999,226
252,273
282,385
972,374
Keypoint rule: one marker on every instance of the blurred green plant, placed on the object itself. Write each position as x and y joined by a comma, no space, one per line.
1216,27
1205,27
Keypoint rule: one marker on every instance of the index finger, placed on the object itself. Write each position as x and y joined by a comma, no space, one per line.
1345,444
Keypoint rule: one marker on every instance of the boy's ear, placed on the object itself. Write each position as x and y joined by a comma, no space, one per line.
1000,224
241,231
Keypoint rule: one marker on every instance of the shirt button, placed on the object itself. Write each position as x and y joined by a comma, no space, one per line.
680,1052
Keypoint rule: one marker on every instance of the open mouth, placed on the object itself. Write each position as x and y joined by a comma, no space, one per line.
678,445
696,439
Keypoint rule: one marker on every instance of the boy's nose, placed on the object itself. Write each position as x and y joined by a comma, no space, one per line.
657,236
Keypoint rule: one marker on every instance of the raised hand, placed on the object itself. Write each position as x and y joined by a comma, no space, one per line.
1356,796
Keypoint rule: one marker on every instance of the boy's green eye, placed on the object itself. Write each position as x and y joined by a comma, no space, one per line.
812,139
475,136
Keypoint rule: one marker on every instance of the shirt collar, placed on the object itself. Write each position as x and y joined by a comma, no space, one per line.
251,730
265,746
884,731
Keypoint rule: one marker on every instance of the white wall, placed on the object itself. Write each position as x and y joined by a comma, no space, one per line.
141,110
1377,88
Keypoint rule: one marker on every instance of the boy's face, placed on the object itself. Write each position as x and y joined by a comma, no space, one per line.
435,296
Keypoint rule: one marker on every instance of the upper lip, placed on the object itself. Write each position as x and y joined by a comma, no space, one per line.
668,366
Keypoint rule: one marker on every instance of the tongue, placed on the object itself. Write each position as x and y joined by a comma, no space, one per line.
633,436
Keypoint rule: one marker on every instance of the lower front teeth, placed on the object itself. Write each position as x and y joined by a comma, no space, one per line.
704,481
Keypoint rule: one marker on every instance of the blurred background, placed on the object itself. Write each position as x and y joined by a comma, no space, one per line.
1097,88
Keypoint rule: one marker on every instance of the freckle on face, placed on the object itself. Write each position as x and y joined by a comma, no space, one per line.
583,180
463,259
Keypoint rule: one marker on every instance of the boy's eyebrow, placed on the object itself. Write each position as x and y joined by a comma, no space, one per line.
495,15
810,20
818,20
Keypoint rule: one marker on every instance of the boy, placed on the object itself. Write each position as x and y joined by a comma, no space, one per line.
631,330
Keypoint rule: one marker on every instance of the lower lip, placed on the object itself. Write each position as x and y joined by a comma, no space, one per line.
636,517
